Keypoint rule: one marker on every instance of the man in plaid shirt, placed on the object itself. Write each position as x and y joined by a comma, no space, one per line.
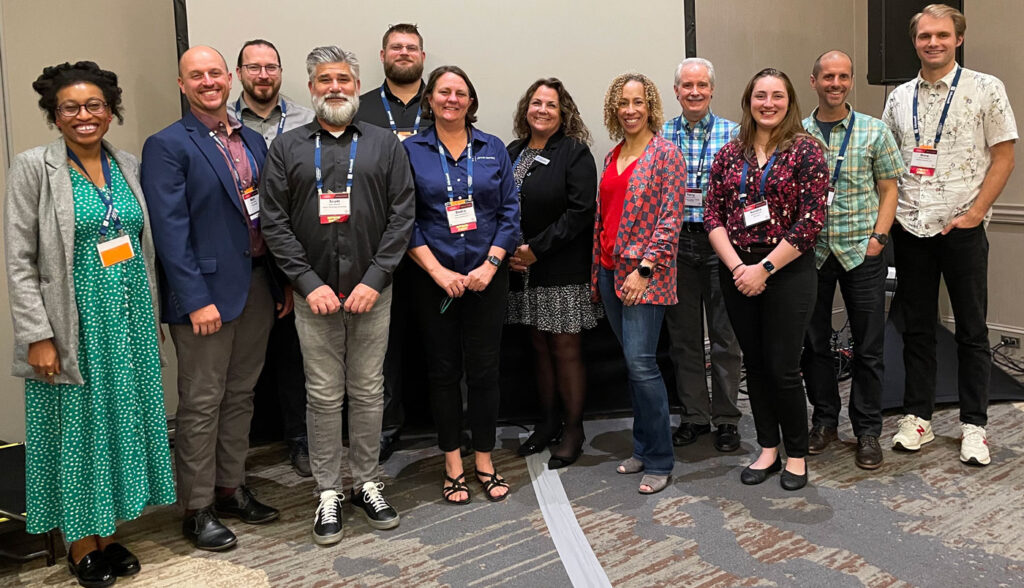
699,134
865,164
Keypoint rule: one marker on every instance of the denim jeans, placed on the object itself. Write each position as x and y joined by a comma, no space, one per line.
637,328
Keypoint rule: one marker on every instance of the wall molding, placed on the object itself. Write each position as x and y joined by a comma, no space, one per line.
998,327
1008,214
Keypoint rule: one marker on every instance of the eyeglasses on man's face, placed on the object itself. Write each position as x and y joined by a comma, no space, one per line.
255,68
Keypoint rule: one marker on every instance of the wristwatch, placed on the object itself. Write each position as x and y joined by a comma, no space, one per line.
493,259
882,238
644,271
768,266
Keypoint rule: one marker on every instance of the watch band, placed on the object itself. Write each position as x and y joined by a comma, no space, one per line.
882,238
493,260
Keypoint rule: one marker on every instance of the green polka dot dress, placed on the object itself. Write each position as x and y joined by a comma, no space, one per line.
98,453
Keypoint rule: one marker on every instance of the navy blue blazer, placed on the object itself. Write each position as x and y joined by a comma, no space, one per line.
200,230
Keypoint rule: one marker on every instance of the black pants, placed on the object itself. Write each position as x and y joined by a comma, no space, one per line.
863,289
464,339
283,378
961,258
770,328
394,359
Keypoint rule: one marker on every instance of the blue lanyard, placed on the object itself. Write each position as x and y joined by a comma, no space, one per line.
351,164
280,123
764,178
945,109
391,119
469,167
106,194
703,149
842,152
231,162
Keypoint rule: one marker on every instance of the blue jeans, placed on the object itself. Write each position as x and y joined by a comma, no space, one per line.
637,328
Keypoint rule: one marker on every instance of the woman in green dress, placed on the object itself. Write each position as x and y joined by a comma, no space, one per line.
82,287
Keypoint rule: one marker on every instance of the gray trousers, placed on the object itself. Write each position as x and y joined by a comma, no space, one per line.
699,290
343,355
216,375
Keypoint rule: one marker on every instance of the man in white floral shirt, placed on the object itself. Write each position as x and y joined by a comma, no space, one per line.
956,133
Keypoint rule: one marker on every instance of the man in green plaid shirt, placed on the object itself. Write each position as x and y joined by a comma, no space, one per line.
861,207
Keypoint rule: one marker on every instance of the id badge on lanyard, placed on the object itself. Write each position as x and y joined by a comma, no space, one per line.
461,215
694,197
924,160
115,250
756,213
251,198
334,207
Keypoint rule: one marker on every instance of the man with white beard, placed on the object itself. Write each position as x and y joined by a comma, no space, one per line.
337,212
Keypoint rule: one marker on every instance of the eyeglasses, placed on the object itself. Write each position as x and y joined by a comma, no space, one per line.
396,48
255,68
71,109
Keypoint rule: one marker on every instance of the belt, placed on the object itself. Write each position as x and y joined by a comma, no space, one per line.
692,227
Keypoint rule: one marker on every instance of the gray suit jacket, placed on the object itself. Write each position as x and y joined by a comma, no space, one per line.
39,234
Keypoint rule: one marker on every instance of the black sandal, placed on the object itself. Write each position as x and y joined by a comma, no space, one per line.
492,482
458,485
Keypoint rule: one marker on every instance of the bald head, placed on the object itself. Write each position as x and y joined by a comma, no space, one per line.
199,52
205,80
832,57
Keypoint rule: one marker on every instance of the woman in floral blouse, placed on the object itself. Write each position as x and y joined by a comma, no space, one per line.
765,206
636,235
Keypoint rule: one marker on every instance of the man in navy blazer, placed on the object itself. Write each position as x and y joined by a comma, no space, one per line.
200,176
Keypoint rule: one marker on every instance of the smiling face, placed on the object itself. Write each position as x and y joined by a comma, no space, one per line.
85,129
769,102
543,114
204,79
694,91
335,93
450,99
833,81
632,109
403,58
936,42
261,87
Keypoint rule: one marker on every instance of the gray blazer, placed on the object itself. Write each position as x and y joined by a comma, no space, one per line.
39,235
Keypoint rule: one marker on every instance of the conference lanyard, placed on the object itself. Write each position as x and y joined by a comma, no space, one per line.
231,162
841,157
945,109
704,147
469,168
764,178
351,164
106,194
391,119
280,123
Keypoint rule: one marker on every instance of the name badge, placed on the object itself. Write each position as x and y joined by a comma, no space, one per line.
403,135
923,161
756,214
542,160
461,215
115,251
251,198
831,196
334,207
693,197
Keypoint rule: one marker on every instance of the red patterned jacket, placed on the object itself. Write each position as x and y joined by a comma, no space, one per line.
652,214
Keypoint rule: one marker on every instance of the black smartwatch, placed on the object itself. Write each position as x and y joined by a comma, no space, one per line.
644,271
882,238
493,259
768,266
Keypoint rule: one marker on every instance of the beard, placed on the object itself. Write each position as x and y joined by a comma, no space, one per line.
261,94
403,74
340,115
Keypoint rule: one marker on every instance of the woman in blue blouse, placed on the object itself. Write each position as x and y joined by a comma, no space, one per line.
467,222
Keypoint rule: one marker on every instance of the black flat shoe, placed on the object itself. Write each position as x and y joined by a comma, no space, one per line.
537,442
751,477
92,571
559,461
790,481
122,562
244,506
205,531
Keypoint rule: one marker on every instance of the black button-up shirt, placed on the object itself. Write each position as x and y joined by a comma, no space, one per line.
368,246
371,110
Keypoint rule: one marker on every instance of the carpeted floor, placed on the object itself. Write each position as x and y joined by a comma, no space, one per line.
923,519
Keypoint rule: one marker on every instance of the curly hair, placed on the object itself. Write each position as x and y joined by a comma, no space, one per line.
571,121
655,116
57,77
787,131
474,103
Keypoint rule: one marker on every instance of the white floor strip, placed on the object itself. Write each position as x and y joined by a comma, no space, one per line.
580,563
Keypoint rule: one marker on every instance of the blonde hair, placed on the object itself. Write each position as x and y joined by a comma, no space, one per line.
655,116
940,11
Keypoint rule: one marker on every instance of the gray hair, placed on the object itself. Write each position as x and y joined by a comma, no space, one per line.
331,54
696,61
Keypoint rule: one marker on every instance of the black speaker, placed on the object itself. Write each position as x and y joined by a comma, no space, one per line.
891,55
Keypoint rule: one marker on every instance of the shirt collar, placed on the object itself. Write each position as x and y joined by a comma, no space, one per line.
313,127
704,123
245,106
214,124
946,79
390,95
429,138
845,122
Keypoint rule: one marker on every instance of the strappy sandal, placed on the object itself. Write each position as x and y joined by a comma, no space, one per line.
490,481
458,485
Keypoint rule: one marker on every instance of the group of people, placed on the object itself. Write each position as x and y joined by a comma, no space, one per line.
372,210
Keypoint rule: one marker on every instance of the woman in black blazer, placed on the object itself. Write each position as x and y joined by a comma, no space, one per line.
550,283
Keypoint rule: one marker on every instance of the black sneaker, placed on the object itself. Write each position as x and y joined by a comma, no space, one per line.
379,514
327,521
299,456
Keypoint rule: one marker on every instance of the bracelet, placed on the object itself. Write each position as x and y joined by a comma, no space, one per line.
733,270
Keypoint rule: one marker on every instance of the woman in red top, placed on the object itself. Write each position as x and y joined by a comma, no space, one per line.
636,233
765,207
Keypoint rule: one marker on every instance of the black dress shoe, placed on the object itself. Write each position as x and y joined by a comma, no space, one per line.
243,505
206,532
687,433
561,461
751,477
790,481
869,452
388,444
819,438
727,438
299,457
122,562
92,571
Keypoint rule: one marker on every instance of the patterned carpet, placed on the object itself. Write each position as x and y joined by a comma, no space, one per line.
921,520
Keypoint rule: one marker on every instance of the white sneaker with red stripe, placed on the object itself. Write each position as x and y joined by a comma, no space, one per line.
973,445
913,432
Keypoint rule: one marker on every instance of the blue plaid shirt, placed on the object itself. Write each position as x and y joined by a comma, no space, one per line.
690,139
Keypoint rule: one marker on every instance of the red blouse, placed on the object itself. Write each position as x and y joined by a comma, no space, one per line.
613,193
